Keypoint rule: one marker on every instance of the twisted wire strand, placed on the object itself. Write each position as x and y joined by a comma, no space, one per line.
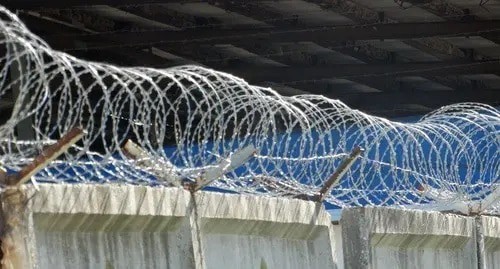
194,117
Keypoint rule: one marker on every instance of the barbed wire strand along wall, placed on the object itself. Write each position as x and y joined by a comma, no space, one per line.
192,121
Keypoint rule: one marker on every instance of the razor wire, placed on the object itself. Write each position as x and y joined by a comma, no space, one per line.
191,119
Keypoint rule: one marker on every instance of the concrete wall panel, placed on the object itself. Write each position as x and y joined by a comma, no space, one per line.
117,226
260,232
490,229
395,238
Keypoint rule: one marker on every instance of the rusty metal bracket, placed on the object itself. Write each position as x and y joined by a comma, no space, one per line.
339,173
13,199
48,154
288,189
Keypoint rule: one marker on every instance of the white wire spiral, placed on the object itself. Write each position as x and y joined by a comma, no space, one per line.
194,117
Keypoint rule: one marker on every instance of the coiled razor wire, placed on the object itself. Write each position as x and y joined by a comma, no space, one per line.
191,119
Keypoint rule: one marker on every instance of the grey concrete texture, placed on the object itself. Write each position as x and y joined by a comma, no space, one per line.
123,226
376,237
489,229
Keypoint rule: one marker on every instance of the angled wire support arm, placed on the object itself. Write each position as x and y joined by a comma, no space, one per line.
339,173
47,155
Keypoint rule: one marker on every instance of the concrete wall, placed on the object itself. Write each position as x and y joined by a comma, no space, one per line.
391,238
116,226
489,228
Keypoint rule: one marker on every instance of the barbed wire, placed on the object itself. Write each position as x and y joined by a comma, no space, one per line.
193,121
